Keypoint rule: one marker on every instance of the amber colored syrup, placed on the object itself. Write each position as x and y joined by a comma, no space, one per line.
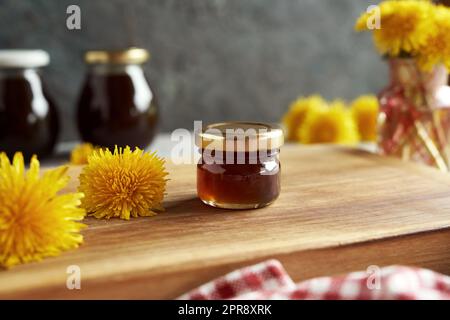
108,115
239,183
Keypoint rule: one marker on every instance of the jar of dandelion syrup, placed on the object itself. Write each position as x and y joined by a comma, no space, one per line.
29,120
117,106
239,167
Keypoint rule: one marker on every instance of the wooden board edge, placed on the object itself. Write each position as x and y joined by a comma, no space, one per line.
427,250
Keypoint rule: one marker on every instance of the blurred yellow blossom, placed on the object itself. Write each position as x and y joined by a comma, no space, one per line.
365,112
298,109
437,47
80,153
404,26
329,125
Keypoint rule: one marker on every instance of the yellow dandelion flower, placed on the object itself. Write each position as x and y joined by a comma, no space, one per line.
293,119
80,153
365,113
437,47
123,183
404,26
332,125
36,221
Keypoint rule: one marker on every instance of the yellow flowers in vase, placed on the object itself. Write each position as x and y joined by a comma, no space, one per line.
408,28
314,120
414,37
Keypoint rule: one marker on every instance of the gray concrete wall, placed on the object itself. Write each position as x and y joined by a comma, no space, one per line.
213,60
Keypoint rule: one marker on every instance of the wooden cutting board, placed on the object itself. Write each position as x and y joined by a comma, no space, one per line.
340,210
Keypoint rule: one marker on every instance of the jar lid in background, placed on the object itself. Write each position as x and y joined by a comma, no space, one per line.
126,56
254,135
22,58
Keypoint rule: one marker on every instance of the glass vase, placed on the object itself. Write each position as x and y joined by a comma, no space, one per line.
414,119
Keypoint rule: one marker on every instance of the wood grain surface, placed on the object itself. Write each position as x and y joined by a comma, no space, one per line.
340,210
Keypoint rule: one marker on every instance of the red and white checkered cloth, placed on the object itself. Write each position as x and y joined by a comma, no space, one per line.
269,280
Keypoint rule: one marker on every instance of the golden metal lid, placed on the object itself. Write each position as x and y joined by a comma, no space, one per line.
240,136
126,56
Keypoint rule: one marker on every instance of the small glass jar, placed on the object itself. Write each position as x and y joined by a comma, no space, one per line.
239,166
117,105
28,116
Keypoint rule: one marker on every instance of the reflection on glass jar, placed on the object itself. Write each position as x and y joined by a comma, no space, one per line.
117,105
28,116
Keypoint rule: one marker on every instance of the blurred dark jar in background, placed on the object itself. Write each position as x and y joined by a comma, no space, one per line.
117,105
28,117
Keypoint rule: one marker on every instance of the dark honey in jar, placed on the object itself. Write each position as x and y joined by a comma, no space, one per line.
239,166
28,116
117,105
